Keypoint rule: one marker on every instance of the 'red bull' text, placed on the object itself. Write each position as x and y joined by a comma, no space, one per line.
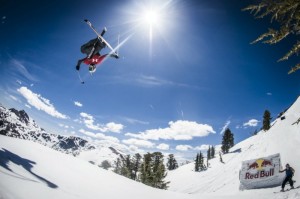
260,174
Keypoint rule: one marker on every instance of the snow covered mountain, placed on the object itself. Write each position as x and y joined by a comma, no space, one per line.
18,124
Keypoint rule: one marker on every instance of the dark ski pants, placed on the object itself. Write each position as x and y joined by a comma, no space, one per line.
287,179
91,48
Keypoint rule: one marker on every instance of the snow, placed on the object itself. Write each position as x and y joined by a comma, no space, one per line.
31,170
41,172
282,137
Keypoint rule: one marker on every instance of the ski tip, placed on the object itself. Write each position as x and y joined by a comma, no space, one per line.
105,29
85,20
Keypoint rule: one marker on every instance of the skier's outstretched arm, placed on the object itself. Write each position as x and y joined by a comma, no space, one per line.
282,171
79,63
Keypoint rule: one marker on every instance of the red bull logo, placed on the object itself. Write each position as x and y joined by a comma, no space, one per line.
259,169
260,174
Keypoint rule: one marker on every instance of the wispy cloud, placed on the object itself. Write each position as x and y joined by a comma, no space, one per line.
134,121
40,103
225,126
269,93
155,81
88,120
179,130
64,126
99,136
14,98
251,123
152,81
77,104
28,106
23,70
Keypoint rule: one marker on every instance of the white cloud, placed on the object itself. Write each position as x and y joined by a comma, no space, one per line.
40,103
252,123
99,136
269,94
133,148
163,146
77,104
140,143
203,147
88,120
183,147
179,130
225,126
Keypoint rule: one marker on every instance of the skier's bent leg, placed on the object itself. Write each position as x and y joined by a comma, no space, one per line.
284,182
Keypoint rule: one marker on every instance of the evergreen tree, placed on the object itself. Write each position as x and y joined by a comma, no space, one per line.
286,14
118,167
105,164
153,170
255,132
172,163
197,162
209,153
136,165
201,162
212,152
266,120
159,171
227,141
146,172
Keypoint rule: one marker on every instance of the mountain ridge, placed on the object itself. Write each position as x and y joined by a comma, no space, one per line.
17,124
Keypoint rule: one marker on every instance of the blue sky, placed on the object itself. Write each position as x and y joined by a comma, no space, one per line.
175,86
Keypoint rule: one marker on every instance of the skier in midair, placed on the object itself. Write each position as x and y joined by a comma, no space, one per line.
289,173
92,50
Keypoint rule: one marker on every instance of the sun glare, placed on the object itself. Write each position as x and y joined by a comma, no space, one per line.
151,17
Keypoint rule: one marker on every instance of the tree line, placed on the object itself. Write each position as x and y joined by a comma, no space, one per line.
148,169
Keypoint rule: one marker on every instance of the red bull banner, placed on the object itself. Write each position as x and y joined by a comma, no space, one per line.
261,173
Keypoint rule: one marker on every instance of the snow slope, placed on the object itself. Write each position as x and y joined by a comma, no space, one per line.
31,170
282,137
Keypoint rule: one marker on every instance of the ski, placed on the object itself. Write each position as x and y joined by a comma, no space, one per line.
100,36
290,189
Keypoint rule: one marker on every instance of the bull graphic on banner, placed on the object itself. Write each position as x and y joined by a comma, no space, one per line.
261,173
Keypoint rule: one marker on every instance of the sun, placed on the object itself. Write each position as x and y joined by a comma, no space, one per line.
151,17
154,18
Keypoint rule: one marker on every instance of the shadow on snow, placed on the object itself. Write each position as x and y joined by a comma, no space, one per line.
6,157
